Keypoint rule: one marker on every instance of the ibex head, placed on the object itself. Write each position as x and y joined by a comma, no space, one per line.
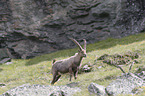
82,51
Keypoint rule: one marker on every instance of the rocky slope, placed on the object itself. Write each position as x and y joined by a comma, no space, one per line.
33,27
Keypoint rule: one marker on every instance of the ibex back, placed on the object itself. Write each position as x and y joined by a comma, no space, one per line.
69,65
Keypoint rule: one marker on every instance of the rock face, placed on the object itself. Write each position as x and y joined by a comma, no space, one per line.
34,27
41,90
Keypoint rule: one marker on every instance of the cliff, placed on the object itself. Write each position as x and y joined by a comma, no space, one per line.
30,28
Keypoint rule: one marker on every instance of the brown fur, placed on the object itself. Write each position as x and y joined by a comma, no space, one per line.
69,65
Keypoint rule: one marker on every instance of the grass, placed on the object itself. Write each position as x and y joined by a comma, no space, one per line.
37,70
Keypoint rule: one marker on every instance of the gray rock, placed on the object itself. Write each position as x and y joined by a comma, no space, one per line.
58,93
140,69
137,90
34,27
142,75
88,67
5,60
124,84
96,89
72,85
5,55
41,90
106,9
8,63
141,72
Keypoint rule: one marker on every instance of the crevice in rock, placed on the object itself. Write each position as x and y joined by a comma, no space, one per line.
14,54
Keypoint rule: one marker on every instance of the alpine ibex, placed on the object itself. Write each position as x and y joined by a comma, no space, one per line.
69,65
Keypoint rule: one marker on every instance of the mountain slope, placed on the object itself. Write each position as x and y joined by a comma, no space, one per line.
37,70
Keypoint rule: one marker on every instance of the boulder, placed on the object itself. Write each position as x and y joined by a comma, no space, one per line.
124,84
41,90
96,89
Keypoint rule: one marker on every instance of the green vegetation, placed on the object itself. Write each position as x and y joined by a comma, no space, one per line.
38,69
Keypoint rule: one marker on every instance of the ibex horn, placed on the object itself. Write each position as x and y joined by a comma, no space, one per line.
76,43
85,43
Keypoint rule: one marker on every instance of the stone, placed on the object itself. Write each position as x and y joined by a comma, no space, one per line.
73,84
41,90
8,63
99,67
140,69
141,75
88,67
137,90
124,84
58,93
96,89
5,60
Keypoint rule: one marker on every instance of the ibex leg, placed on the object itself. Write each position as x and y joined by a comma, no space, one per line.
54,78
71,73
75,74
57,77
